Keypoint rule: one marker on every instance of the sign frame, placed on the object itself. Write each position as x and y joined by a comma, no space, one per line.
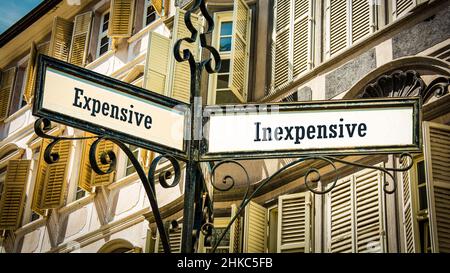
44,62
371,103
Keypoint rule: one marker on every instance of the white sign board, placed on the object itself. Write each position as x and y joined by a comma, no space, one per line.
82,101
360,127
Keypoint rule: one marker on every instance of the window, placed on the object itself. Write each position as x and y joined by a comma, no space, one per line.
150,14
103,39
422,206
130,168
34,216
348,22
224,246
80,193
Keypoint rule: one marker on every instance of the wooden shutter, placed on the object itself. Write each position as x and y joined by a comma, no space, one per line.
255,228
340,215
437,168
121,19
338,25
40,179
408,218
235,232
80,39
6,86
302,36
61,39
88,178
30,74
294,223
240,50
157,63
361,19
44,48
181,80
13,198
401,7
369,211
161,6
174,241
55,183
282,72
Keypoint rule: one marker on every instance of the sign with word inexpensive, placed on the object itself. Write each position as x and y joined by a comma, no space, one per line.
328,127
102,105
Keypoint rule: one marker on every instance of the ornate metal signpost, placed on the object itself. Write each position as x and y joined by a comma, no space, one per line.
122,113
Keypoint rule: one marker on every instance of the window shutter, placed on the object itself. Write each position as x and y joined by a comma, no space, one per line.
302,44
240,50
161,6
88,178
369,211
255,228
60,39
80,39
121,19
157,63
338,25
282,65
54,188
30,74
40,179
44,48
361,19
13,198
181,80
294,223
341,227
437,166
408,210
401,7
6,86
174,241
235,232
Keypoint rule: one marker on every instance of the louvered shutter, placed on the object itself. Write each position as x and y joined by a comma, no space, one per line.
161,6
30,74
174,241
302,44
235,234
88,178
181,80
13,197
121,20
369,211
294,223
401,7
61,39
361,19
240,50
340,215
408,210
80,39
55,184
437,167
338,26
157,63
6,86
255,228
282,65
44,48
40,179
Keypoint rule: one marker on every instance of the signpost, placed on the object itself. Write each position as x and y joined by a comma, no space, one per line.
297,129
102,105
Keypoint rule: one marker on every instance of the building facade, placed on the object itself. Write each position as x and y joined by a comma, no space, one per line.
272,51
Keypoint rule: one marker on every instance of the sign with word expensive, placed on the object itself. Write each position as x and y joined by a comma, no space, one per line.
328,127
102,105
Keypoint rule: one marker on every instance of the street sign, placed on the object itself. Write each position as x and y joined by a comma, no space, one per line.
102,105
300,129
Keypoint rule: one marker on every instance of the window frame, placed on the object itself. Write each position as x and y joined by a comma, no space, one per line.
103,33
219,18
147,4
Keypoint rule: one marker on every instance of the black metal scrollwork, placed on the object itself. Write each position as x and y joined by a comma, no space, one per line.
109,158
229,181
